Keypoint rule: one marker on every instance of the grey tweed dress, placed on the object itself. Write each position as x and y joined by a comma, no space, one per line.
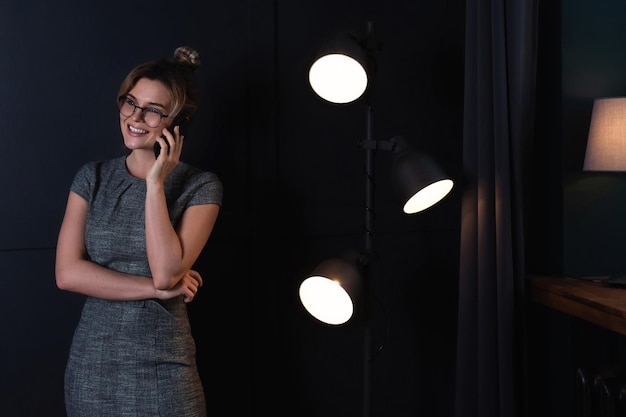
133,358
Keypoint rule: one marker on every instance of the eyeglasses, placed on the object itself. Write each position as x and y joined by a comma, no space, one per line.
150,115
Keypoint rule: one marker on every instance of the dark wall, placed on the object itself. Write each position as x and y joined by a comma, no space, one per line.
294,194
594,66
578,217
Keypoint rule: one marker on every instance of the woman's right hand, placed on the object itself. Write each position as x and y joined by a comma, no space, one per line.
172,142
187,286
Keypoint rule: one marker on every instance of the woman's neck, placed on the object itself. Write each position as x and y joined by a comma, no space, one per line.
139,162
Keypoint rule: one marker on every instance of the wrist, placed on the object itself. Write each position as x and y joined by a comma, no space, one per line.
157,293
153,185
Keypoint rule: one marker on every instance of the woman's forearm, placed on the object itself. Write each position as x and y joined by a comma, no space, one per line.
88,278
165,253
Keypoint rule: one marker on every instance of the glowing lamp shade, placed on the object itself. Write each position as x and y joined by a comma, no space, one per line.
418,179
331,291
338,78
339,74
606,144
428,196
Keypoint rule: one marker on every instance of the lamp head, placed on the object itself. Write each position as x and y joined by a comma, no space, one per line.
330,292
340,73
606,144
418,178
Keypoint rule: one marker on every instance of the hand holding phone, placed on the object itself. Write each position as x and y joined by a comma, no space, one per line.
178,121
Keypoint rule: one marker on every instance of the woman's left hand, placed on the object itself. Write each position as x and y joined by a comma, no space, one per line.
190,283
187,286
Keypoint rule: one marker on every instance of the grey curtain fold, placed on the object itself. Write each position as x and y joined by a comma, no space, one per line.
498,123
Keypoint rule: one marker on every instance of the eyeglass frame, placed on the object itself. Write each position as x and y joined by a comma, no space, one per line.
130,101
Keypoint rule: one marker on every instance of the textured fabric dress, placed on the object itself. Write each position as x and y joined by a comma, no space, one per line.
133,358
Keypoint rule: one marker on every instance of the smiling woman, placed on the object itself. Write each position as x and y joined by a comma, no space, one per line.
133,228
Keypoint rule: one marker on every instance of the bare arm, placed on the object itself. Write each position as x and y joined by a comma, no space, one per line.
74,272
171,253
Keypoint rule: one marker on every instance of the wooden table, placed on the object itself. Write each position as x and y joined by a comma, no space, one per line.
584,298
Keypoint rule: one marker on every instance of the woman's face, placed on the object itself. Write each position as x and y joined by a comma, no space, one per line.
140,128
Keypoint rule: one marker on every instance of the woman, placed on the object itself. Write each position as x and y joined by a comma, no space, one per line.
133,228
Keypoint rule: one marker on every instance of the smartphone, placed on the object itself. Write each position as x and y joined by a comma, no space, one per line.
178,121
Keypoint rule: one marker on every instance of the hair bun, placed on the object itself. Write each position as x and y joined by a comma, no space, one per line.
186,55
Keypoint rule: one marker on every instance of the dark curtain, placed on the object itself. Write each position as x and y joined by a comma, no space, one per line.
498,118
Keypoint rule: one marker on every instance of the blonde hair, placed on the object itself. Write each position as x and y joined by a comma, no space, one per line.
176,75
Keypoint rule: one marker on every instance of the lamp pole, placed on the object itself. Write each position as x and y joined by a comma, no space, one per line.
369,145
426,176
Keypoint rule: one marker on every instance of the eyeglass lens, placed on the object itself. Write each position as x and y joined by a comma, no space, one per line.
150,115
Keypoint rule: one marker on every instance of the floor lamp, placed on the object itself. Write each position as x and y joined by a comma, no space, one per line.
341,74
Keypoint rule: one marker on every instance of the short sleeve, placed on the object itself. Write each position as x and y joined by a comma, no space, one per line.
84,181
208,190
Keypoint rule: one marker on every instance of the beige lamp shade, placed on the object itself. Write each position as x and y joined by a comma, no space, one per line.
606,144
